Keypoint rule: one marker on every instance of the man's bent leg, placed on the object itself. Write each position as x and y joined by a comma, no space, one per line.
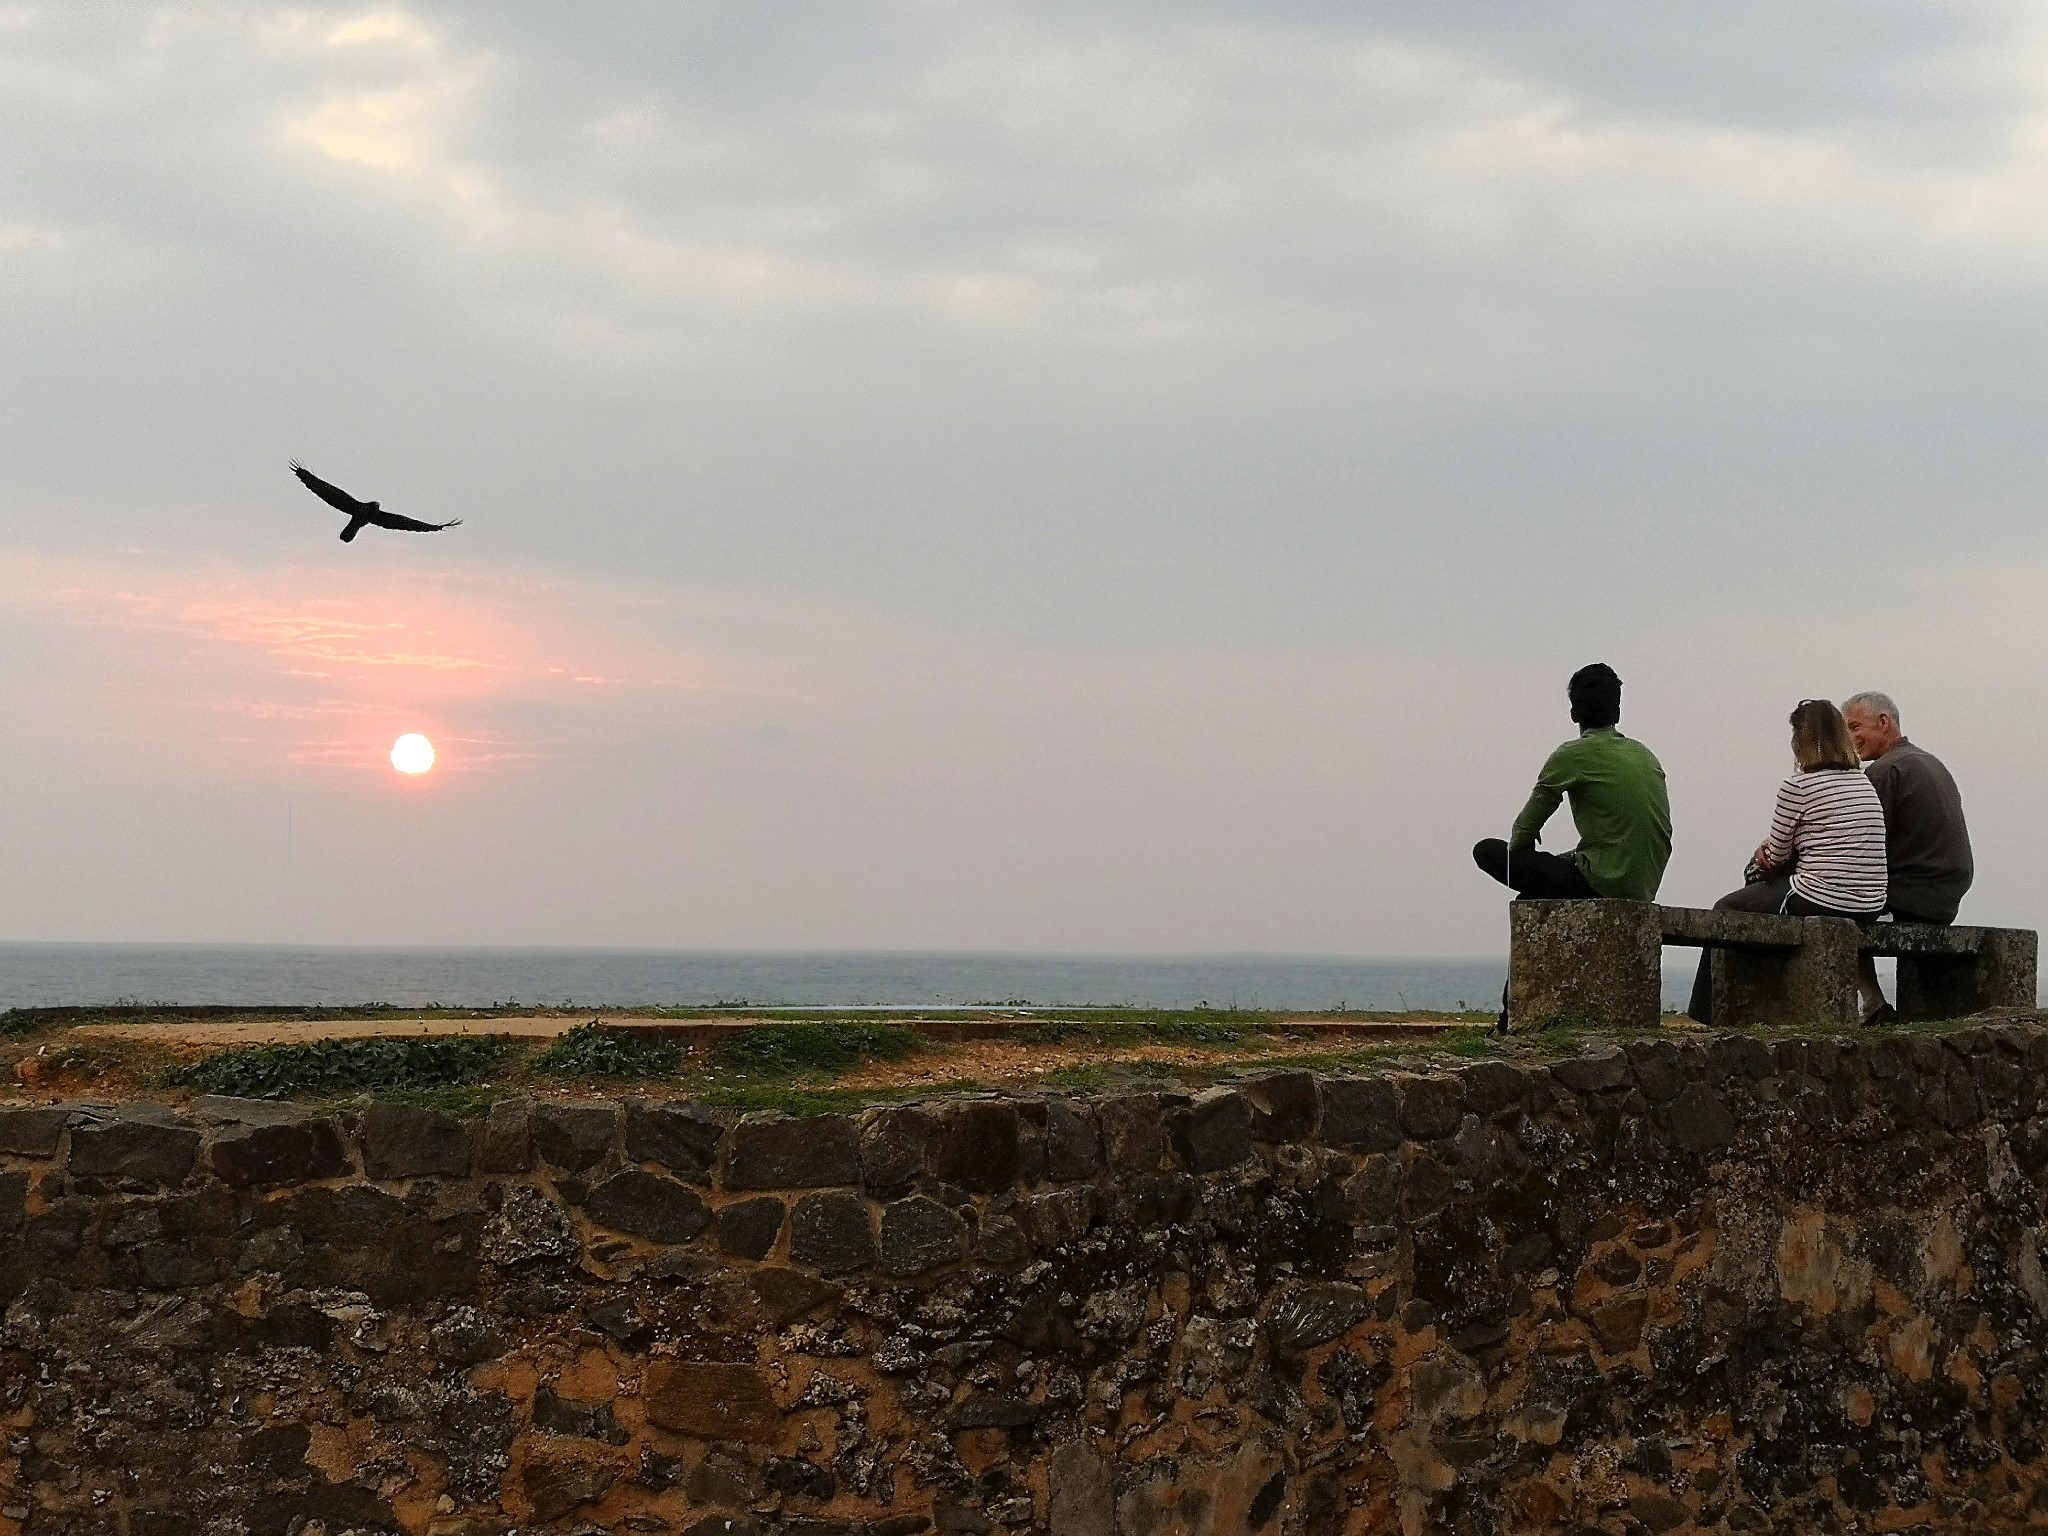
1533,873
1763,896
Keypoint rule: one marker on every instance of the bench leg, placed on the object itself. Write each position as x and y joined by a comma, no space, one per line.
1813,984
2000,975
1593,962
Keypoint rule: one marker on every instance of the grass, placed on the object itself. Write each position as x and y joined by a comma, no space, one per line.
591,1050
811,1050
1122,1029
337,1068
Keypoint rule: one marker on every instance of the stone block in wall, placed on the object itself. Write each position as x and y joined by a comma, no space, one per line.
231,1109
403,1142
1057,1217
1082,1492
992,1410
1599,1068
526,1226
574,1137
1492,1086
1432,1105
1285,1105
1658,1071
1697,1121
138,1149
712,1400
1362,1114
649,1205
777,1151
1214,1132
13,1201
1000,1241
1305,1315
789,1294
293,1152
895,1144
468,1336
832,1233
1133,1129
1073,1144
558,1483
360,1238
1744,1056
26,1132
557,1415
683,1138
919,1234
504,1142
747,1229
975,1146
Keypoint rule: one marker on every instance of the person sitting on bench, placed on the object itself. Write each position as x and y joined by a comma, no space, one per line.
1825,854
1928,862
1619,804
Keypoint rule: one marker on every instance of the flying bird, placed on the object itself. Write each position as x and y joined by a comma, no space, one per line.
361,512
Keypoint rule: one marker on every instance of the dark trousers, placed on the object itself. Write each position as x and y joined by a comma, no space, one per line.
1533,873
1772,895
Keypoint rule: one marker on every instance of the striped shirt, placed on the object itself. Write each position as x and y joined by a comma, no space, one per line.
1831,821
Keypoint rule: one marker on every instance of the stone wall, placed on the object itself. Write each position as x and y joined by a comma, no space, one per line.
1729,1284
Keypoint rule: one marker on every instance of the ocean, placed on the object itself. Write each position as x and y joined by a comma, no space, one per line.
45,975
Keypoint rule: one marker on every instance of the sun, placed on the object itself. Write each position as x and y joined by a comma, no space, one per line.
412,753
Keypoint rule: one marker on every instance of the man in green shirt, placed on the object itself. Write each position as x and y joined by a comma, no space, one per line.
1616,787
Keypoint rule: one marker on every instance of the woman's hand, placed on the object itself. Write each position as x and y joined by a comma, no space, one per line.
1762,857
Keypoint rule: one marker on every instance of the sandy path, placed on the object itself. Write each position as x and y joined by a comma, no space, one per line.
1004,1061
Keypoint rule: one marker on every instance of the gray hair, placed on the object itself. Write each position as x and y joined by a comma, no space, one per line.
1877,703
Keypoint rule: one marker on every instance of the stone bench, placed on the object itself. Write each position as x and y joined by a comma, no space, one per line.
1602,962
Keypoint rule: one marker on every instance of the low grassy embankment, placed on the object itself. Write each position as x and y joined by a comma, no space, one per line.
800,1063
796,1062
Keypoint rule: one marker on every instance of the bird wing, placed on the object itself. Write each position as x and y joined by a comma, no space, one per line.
385,519
333,495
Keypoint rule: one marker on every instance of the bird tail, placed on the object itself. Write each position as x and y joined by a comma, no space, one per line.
355,526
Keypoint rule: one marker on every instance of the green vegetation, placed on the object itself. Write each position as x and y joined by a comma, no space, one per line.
336,1068
591,1050
1122,1028
810,1050
16,1022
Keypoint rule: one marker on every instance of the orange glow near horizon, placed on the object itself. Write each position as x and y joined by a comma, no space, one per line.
412,753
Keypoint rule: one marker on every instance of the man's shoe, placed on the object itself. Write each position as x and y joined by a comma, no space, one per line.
1883,1013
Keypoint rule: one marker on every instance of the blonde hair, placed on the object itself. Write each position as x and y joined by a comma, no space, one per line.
1820,737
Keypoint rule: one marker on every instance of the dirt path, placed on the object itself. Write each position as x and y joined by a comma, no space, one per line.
280,1031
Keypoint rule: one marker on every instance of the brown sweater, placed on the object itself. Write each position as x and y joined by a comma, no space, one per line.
1927,847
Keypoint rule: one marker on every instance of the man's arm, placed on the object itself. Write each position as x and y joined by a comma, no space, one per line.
1544,799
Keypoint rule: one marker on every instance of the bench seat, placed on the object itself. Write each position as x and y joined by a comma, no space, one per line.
1602,962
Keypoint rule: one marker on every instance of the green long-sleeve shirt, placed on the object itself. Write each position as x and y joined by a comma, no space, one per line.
1620,806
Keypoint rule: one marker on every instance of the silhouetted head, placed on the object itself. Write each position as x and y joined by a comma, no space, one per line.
374,506
1595,693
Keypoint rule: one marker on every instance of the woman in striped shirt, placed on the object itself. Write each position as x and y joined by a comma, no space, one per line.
1829,826
1825,856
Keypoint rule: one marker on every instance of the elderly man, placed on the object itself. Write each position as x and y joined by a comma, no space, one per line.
1927,846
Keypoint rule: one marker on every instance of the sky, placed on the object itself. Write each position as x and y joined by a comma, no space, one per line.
1122,477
